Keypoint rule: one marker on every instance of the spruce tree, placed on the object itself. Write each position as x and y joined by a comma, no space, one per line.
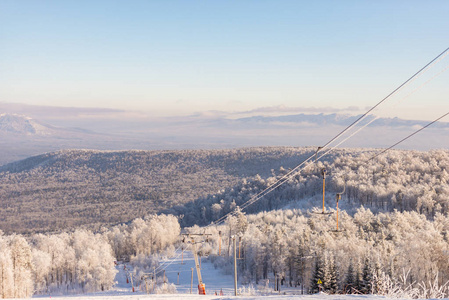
332,283
326,274
318,276
358,279
350,279
367,277
377,277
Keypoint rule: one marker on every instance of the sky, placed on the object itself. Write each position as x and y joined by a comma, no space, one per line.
172,58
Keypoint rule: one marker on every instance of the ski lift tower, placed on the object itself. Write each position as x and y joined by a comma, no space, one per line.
201,285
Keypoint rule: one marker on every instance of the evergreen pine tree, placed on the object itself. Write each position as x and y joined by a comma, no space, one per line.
358,279
318,276
367,277
332,284
350,279
377,277
326,274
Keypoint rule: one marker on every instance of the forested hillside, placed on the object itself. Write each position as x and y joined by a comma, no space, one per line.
392,238
70,188
82,187
399,179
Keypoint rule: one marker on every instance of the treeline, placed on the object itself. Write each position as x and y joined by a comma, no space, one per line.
70,188
80,261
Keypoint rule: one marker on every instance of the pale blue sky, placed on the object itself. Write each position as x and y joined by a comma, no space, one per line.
173,57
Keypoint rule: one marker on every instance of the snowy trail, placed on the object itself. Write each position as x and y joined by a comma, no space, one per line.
213,278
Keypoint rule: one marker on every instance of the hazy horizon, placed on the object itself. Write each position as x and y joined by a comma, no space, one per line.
180,58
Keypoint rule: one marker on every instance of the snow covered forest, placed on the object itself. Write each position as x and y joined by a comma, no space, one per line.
399,180
79,261
392,238
394,254
70,188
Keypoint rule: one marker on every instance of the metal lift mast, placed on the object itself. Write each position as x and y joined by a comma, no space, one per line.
201,285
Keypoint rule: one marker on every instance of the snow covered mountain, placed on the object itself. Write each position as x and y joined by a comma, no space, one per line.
23,125
19,124
23,136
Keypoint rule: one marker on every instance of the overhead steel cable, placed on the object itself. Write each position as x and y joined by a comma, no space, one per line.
384,99
165,264
259,195
407,137
375,118
290,174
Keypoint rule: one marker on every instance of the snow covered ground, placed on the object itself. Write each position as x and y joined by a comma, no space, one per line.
214,279
210,297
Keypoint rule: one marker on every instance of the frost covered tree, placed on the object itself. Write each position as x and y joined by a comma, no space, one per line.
21,263
319,272
6,270
367,277
350,280
94,267
332,278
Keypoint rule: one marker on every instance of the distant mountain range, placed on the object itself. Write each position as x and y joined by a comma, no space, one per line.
23,136
23,125
336,119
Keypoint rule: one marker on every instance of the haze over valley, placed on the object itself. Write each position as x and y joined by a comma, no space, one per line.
32,130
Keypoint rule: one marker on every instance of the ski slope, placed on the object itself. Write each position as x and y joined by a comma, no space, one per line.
214,279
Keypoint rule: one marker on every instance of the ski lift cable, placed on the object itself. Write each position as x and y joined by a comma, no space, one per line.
426,82
441,57
290,174
177,249
267,190
248,203
408,95
387,97
407,137
171,261
376,117
402,99
259,195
